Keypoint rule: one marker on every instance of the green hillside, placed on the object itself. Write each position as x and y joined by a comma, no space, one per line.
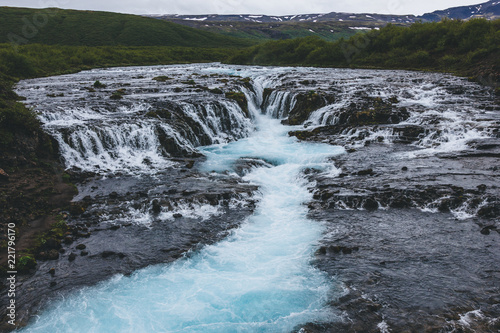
90,28
327,30
467,48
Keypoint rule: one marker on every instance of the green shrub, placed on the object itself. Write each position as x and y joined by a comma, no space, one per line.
25,263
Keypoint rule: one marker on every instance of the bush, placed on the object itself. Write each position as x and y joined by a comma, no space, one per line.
25,263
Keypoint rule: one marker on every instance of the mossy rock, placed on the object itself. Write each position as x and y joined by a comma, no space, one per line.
97,84
25,264
266,93
162,78
118,94
240,98
306,103
216,91
202,88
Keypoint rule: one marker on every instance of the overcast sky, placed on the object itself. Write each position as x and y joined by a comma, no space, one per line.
270,7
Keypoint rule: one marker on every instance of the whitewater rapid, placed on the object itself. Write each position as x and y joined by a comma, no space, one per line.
259,279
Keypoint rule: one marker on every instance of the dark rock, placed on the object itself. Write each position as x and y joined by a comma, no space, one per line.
106,254
81,247
68,240
404,168
370,204
72,256
113,195
481,188
77,208
189,192
486,230
53,283
84,253
4,177
52,243
491,210
52,271
52,255
156,207
365,172
114,227
321,251
177,215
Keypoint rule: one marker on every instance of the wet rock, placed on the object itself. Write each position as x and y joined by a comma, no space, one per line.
486,230
4,177
490,210
240,98
177,215
114,227
366,172
52,255
81,247
52,271
68,240
244,165
72,256
52,243
77,208
156,207
370,204
84,253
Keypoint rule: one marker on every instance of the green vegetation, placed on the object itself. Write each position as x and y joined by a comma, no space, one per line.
25,263
162,78
54,26
327,30
240,98
469,48
42,60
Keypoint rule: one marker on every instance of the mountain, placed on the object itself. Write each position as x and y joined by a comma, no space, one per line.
92,28
488,10
330,26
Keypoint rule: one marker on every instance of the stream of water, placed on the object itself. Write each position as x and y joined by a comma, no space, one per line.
142,154
258,279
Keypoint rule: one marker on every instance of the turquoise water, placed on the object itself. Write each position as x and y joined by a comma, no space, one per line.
257,280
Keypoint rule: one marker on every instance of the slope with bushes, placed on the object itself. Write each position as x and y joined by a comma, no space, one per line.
468,48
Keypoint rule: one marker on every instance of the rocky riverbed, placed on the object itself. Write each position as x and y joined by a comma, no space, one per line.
411,219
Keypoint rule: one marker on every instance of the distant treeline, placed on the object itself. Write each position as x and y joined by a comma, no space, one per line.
468,48
36,60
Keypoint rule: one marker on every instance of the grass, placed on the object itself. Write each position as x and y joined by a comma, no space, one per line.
52,26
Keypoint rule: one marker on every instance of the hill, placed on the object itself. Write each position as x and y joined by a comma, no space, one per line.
488,10
467,48
329,26
54,26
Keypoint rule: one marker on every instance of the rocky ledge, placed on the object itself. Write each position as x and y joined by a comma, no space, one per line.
402,220
94,239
